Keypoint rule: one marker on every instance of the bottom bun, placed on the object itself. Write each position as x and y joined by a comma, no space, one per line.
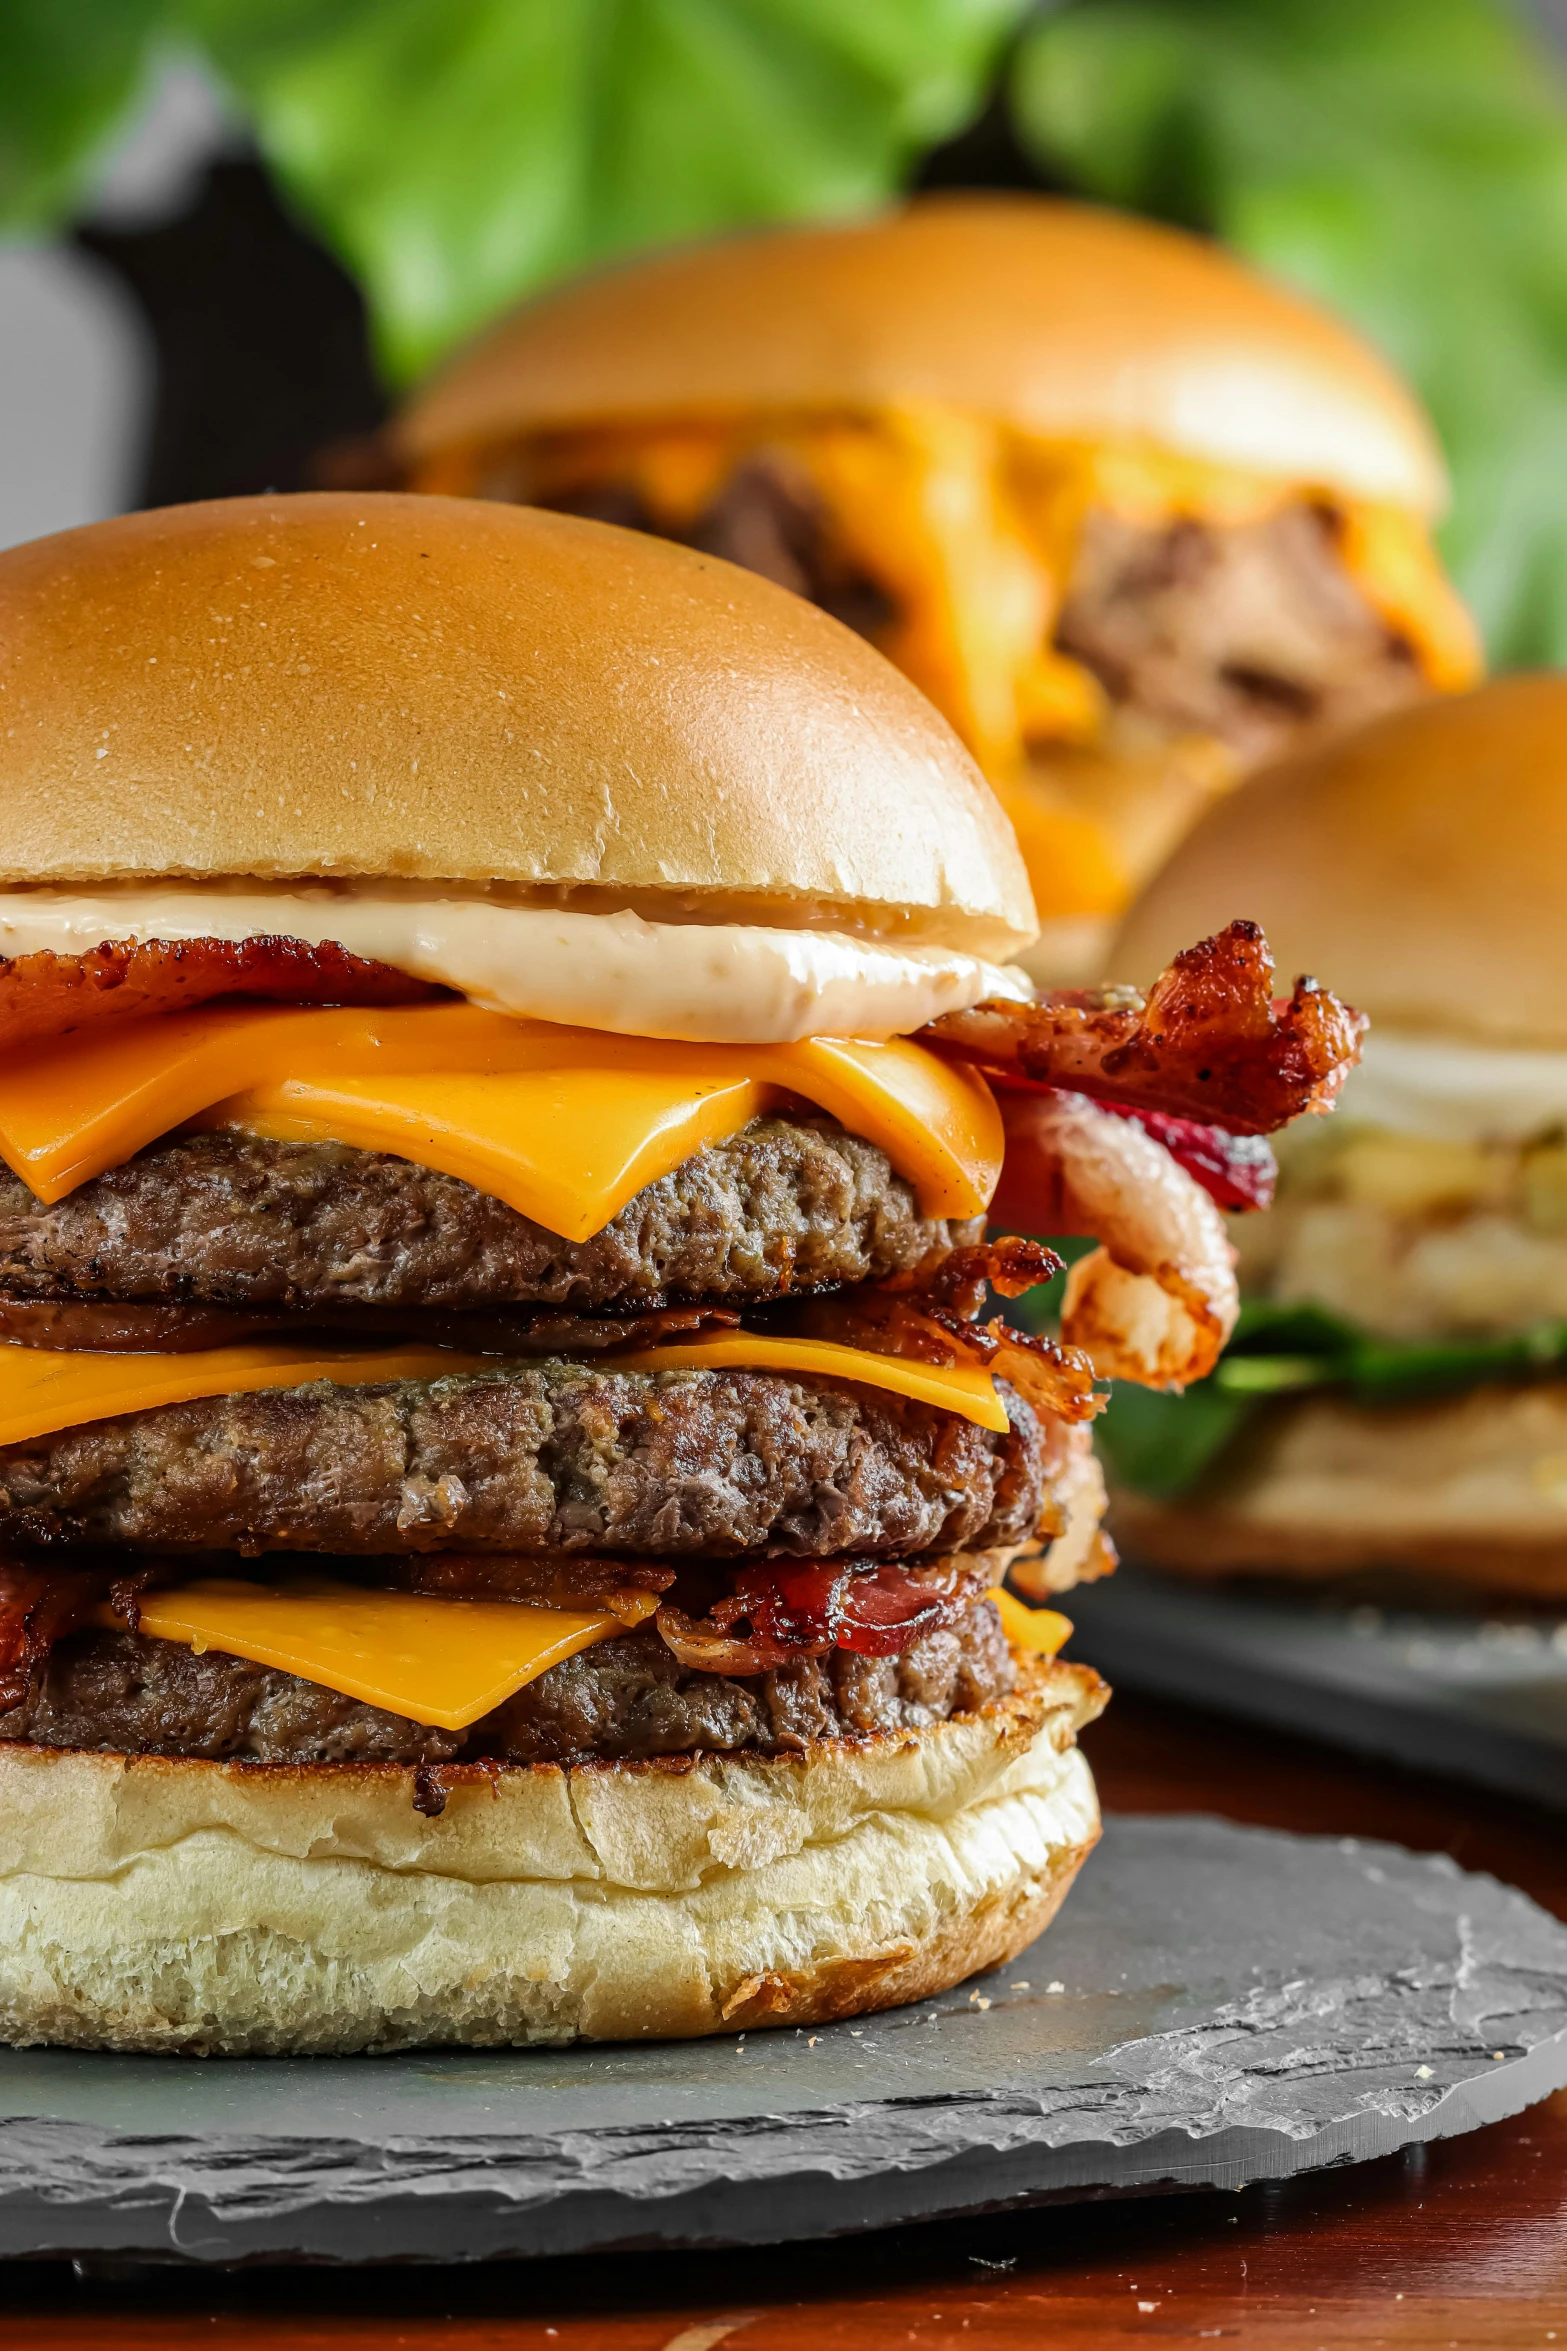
157,1904
1471,1490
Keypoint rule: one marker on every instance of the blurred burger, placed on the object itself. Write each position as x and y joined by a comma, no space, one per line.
506,1478
1395,1397
1132,517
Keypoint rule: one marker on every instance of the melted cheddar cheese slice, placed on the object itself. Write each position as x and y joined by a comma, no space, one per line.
446,1661
566,1125
968,1392
441,1661
1042,1631
43,1389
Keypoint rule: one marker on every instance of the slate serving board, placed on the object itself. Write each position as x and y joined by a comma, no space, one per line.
1215,2005
1480,1697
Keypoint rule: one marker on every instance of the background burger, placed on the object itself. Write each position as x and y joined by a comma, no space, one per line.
1134,518
1395,1395
505,1475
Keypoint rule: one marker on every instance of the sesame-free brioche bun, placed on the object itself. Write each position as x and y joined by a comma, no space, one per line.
1416,864
1464,1491
1061,319
174,1905
432,690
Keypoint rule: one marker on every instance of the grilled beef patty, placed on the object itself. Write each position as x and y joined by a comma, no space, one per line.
547,1457
1250,632
790,1204
628,1698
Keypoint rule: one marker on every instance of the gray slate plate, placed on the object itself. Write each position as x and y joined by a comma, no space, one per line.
1215,2005
1482,1698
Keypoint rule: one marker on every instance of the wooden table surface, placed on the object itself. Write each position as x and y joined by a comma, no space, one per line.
1461,2244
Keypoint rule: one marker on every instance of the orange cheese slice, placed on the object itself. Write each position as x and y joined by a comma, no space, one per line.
969,1393
564,1124
566,1147
440,1661
1041,1630
44,1388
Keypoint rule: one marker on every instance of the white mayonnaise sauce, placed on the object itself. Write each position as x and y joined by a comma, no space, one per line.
719,983
1455,1093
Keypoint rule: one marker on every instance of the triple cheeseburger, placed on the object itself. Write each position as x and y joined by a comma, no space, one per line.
1134,518
508,1470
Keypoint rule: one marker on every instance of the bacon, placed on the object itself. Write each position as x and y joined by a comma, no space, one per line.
936,1324
40,1603
47,995
800,1609
1156,1302
1209,1043
1237,1172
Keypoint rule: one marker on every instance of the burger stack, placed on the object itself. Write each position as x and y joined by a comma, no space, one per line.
514,1493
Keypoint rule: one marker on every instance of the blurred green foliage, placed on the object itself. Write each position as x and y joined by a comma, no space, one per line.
458,153
1406,161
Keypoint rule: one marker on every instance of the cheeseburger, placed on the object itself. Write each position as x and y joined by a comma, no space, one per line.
1395,1397
1134,518
508,1473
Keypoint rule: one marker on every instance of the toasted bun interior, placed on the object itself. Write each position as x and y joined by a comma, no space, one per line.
432,690
1058,318
1415,866
181,1905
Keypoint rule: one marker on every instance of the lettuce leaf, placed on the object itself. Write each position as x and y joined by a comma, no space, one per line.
1163,1444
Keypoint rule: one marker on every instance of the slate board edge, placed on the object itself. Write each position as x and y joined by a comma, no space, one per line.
152,2188
1185,1664
174,2214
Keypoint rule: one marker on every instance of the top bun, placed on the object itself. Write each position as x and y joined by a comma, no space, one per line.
1062,320
1418,866
434,690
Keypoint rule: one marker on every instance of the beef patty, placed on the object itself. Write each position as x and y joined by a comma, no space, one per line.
1248,632
789,1204
543,1457
627,1698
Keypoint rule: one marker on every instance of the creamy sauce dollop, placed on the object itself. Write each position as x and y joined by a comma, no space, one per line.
708,983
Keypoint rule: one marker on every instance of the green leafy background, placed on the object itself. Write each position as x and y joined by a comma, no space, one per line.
1406,160
459,153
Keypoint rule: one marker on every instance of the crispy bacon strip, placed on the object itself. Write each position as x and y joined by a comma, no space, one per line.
1156,1302
1209,1043
1238,1172
46,995
791,1609
935,1323
41,1602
